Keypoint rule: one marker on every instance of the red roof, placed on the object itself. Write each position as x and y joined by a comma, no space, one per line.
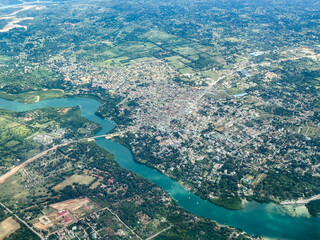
67,219
111,180
62,213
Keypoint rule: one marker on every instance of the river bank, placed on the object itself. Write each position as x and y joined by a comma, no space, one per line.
297,208
256,219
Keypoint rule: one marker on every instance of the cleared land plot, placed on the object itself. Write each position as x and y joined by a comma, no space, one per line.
81,179
96,184
8,227
43,227
71,205
64,213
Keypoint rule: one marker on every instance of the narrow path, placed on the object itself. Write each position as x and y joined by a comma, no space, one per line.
163,230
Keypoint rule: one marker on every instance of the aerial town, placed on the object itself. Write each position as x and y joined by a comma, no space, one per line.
111,111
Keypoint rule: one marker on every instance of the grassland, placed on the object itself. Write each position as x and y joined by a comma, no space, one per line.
210,74
33,96
13,191
80,179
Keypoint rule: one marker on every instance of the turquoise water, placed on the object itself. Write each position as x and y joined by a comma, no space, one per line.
256,219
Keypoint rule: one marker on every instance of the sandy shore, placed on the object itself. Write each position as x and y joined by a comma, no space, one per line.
300,200
14,21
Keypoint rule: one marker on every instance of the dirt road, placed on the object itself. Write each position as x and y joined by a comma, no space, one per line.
22,165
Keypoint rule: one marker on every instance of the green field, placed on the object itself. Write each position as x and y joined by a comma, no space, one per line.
210,74
186,70
81,179
33,96
177,61
13,191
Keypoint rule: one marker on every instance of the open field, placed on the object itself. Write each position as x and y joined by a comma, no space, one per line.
186,70
81,179
120,61
186,51
96,184
159,37
8,227
210,74
177,61
12,190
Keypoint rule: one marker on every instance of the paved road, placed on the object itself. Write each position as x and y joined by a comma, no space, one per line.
22,165
14,170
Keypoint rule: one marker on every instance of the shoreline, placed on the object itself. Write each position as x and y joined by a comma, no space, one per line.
299,210
300,200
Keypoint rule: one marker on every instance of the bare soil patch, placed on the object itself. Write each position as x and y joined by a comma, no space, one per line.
8,227
71,205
